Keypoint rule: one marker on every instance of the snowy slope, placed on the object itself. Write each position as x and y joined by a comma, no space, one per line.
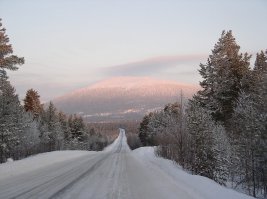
115,173
199,186
122,98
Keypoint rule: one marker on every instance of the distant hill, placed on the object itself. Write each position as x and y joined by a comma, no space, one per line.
122,98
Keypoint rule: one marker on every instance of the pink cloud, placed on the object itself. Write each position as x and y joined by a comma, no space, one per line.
154,64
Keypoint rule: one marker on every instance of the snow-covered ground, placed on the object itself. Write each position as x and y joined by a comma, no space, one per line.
11,169
115,173
199,186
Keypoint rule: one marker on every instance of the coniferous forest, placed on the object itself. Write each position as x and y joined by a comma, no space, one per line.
220,133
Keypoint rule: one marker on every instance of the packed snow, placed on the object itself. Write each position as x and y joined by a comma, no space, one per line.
115,173
35,162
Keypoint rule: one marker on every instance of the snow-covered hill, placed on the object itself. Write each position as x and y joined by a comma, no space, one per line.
122,98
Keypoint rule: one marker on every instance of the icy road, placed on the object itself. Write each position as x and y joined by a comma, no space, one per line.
115,173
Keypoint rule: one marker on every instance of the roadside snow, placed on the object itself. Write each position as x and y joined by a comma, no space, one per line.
35,162
112,146
199,185
32,163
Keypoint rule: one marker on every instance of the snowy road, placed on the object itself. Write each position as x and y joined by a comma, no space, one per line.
115,173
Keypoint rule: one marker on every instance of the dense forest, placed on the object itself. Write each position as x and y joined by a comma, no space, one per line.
221,133
33,127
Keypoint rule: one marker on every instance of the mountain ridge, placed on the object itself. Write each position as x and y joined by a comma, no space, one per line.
122,98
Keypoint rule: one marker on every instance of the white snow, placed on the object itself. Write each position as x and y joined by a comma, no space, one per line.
35,162
199,186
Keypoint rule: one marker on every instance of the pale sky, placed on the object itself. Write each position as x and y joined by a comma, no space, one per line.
71,44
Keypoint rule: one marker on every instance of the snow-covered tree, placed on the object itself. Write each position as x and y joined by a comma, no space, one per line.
77,128
172,136
260,65
144,135
15,128
223,151
222,75
208,144
51,133
251,143
250,130
10,124
63,119
29,138
79,136
199,124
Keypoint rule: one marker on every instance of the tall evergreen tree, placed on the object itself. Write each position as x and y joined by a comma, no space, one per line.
63,119
260,65
249,124
7,59
222,75
77,128
251,143
200,129
10,109
143,130
32,103
208,144
253,79
10,123
51,132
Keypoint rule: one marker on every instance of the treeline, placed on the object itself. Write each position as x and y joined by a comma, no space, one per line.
221,133
32,128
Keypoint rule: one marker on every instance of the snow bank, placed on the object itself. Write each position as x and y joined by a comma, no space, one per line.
31,163
193,183
38,161
113,145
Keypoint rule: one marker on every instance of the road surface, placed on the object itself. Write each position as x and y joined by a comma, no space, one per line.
112,174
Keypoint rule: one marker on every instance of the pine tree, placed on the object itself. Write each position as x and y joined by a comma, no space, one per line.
51,132
263,159
249,124
143,130
11,112
32,103
209,146
223,151
7,59
260,65
222,76
78,134
10,120
63,119
252,80
78,128
29,137
170,132
250,143
264,135
200,129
